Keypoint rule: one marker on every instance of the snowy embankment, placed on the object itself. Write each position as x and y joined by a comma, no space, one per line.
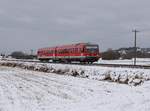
120,75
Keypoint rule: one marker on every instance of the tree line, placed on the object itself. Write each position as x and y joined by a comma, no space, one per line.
22,55
124,54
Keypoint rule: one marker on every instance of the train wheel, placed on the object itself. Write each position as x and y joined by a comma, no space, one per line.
90,62
69,61
44,60
54,61
82,62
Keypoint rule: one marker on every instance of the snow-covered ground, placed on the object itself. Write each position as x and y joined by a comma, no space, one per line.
23,90
140,61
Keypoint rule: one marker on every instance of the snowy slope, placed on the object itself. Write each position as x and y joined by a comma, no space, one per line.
22,90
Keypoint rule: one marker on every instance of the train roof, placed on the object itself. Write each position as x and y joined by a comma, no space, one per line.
67,46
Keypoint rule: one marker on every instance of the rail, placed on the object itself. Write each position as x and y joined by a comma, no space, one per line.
94,64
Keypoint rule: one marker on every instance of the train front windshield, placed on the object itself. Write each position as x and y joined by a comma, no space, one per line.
92,48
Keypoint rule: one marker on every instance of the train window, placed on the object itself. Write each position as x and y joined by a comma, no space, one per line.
65,51
70,50
45,52
59,51
76,50
52,51
92,48
82,49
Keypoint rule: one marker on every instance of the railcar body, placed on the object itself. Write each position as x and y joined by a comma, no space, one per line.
82,52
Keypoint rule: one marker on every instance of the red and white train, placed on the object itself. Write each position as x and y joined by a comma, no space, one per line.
82,52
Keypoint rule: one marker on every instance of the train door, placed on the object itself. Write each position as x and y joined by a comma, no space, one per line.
55,54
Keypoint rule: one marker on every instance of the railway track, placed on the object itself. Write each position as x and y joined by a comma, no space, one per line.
94,64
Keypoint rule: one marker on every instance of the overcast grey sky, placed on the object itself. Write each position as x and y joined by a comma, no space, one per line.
31,24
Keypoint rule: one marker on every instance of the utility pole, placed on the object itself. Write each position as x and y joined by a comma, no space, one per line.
135,48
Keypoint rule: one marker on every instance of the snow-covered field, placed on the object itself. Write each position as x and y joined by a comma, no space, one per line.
23,90
140,61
